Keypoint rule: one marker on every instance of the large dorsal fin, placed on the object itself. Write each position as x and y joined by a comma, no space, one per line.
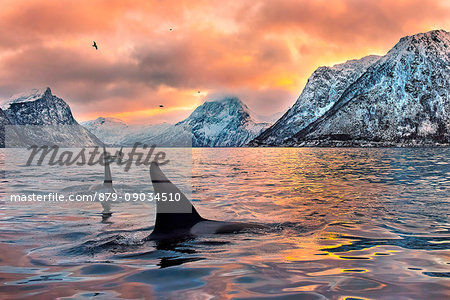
106,160
171,215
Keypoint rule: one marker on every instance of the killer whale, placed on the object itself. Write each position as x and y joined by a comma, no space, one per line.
180,218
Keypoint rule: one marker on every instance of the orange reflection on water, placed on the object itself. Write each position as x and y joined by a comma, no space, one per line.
341,223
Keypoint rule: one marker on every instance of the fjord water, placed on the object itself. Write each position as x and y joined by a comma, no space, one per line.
344,223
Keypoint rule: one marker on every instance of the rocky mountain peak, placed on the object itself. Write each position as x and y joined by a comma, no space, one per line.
42,118
38,107
105,121
225,107
226,122
428,39
435,44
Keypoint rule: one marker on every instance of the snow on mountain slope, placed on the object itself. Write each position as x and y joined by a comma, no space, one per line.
44,119
322,90
115,132
402,99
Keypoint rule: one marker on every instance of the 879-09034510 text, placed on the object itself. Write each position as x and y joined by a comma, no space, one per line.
135,197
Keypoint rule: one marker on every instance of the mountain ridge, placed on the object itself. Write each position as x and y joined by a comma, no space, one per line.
400,100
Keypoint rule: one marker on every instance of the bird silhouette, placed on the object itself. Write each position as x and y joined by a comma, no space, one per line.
95,45
161,105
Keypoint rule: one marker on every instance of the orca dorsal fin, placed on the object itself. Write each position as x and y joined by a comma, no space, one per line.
106,160
171,215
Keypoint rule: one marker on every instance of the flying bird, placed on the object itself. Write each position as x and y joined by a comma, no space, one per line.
171,29
95,45
161,105
198,92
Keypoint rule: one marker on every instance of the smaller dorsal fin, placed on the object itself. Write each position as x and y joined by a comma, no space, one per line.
106,160
171,215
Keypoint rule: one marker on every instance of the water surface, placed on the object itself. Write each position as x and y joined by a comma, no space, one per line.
343,224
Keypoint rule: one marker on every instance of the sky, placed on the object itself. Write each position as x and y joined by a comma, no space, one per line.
181,53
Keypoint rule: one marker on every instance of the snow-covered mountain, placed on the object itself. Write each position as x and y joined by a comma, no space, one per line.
322,90
222,123
401,99
44,119
115,132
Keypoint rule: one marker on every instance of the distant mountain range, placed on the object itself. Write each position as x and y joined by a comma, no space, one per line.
223,123
399,99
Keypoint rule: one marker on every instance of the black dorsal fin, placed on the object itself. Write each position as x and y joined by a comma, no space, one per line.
171,215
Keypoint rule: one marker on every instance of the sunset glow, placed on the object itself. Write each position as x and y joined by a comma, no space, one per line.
164,52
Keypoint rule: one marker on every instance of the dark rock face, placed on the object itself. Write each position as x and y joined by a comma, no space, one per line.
4,121
402,99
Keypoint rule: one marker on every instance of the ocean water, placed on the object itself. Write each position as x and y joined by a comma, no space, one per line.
342,223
